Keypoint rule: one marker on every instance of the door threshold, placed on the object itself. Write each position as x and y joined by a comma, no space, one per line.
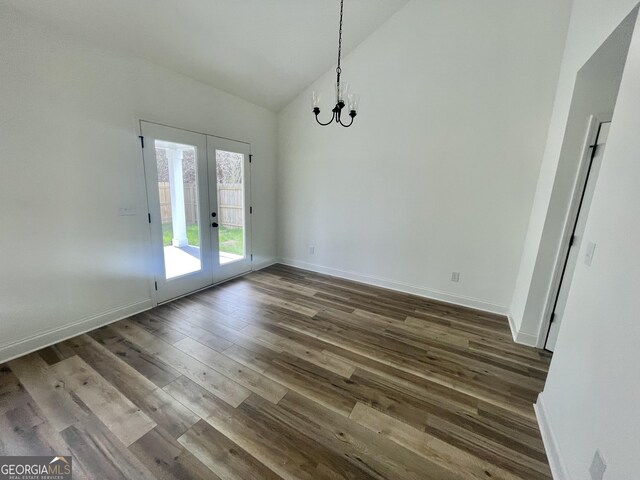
204,288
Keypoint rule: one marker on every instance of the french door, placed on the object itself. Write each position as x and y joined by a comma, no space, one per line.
230,200
198,193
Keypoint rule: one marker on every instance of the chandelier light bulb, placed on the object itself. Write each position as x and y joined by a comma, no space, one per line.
342,92
354,102
315,100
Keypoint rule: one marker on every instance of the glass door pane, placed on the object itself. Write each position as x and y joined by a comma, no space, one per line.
230,191
179,209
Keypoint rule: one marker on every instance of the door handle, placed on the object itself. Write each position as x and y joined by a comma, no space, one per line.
213,214
214,225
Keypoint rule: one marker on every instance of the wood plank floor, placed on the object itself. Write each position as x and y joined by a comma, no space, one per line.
289,374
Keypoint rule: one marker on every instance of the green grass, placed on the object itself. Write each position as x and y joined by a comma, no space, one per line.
231,238
192,234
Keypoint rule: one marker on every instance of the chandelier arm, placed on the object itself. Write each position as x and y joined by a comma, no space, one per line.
329,122
347,126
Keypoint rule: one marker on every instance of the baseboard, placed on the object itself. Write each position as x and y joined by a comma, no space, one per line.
558,467
262,265
527,339
521,337
512,327
41,340
400,287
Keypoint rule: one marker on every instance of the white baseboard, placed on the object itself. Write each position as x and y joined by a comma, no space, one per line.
55,335
41,340
400,287
512,327
527,339
259,266
521,337
558,467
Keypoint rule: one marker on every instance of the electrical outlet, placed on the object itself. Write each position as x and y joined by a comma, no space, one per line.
312,250
598,466
455,277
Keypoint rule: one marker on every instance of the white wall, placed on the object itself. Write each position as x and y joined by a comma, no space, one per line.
439,171
70,156
595,93
592,21
592,391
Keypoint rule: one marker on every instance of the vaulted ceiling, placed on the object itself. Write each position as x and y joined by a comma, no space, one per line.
266,51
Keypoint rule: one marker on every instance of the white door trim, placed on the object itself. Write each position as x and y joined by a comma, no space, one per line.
591,136
189,130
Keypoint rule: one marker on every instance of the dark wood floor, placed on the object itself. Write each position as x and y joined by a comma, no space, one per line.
284,374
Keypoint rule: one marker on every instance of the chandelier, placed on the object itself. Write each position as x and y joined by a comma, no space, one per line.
342,91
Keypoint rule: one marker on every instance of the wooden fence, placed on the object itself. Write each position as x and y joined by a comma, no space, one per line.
230,204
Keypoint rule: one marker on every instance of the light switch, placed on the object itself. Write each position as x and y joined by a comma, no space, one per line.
588,254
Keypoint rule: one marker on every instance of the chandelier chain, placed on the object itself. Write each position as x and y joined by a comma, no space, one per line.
339,69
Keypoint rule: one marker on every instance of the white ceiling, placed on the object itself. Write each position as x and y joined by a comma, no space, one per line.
266,51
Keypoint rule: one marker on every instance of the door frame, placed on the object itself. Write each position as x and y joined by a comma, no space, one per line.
151,256
580,184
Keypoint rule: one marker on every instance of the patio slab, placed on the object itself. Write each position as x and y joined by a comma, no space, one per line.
180,261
